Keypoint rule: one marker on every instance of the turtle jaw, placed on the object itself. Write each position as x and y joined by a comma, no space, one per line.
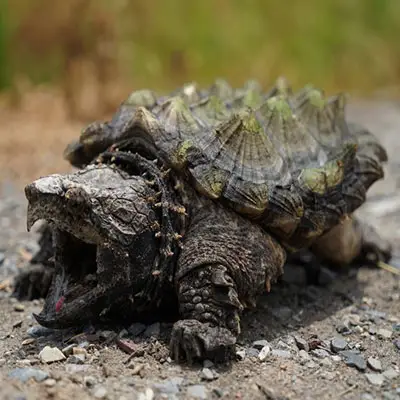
72,298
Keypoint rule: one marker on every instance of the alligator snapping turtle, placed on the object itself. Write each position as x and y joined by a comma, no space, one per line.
200,195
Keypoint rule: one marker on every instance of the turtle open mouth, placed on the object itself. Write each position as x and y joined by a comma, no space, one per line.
74,296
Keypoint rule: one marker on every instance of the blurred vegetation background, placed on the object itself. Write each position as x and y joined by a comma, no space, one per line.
97,51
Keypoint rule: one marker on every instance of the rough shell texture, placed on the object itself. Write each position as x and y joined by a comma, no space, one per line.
290,161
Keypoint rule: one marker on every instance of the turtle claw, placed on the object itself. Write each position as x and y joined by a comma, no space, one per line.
192,340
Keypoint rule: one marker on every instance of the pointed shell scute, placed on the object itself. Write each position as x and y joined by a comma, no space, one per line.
212,109
325,118
144,97
176,116
291,137
222,90
145,120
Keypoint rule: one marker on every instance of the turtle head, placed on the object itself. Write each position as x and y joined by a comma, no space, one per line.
103,238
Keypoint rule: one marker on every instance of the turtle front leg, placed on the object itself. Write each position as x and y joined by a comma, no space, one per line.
226,261
352,241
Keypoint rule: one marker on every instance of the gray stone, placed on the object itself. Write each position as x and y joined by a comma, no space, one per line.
320,353
301,343
19,307
166,387
152,330
353,359
259,344
375,379
136,329
197,391
397,343
391,373
281,353
367,396
262,356
304,355
76,359
384,333
51,354
338,344
76,368
374,364
207,374
100,392
89,380
68,349
24,374
39,331
241,354
208,364
372,330
50,382
252,352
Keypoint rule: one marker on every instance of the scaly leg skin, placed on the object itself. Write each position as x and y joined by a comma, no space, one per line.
34,281
352,241
226,261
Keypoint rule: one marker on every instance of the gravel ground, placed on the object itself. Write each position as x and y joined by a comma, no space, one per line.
338,340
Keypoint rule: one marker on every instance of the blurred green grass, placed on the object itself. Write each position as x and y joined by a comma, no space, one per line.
338,44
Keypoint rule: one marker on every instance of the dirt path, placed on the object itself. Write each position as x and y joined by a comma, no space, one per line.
294,325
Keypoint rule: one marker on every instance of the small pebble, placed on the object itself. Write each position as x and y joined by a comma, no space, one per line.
375,379
89,380
51,354
374,364
76,368
264,353
24,363
208,364
259,344
391,373
100,393
336,358
358,329
50,382
168,387
39,331
24,374
326,362
76,359
354,319
252,352
68,349
338,344
241,355
301,343
207,374
353,359
304,355
197,391
397,343
384,333
19,307
281,353
372,330
27,342
320,353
